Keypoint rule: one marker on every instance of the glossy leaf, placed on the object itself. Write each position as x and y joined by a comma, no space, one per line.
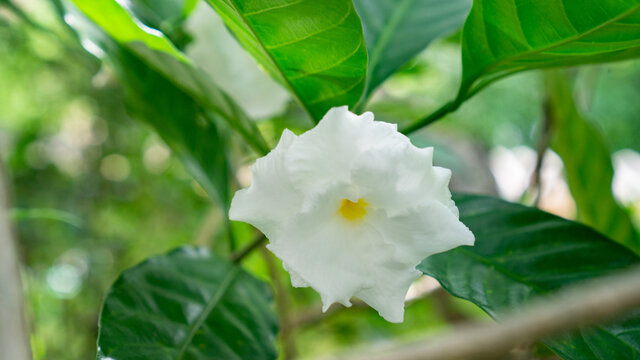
187,304
397,31
522,253
588,165
501,37
158,53
314,48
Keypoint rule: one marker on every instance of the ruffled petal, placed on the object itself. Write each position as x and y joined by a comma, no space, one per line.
401,177
327,252
393,280
325,154
422,231
270,201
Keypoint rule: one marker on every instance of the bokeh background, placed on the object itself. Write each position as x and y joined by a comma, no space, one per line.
95,192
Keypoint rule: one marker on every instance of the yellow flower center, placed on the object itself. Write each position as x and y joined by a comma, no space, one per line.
353,211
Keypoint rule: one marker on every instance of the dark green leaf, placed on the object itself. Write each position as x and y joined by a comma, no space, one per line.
522,253
178,119
501,37
396,31
187,304
587,162
158,53
314,48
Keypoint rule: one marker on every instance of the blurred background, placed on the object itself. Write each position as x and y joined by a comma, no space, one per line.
95,192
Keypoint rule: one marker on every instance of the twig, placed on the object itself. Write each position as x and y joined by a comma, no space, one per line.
14,338
535,185
236,257
283,306
594,302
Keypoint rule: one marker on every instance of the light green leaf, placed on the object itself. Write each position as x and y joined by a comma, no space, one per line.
158,53
587,162
47,214
501,37
396,31
314,48
164,15
187,304
522,253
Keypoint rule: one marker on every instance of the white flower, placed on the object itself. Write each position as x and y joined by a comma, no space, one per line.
352,207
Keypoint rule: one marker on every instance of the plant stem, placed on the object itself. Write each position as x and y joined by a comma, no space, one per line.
237,257
283,307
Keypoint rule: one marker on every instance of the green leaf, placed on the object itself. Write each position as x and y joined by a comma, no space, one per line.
587,162
161,14
397,31
159,54
314,48
47,214
179,120
187,304
522,253
501,37
152,98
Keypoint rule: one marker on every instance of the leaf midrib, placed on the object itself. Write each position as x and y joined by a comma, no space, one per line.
222,289
387,32
570,39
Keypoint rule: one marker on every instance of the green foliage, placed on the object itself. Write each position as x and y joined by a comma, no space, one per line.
187,304
315,48
396,31
522,253
158,53
588,165
505,36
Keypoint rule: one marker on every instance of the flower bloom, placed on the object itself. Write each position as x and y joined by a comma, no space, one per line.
351,207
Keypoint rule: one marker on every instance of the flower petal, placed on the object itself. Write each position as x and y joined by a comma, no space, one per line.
325,154
270,201
402,177
328,252
422,231
393,280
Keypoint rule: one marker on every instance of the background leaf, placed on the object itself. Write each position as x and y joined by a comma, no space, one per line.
315,48
588,166
501,37
187,304
397,31
158,53
521,253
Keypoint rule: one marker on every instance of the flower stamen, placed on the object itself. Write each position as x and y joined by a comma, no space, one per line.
353,211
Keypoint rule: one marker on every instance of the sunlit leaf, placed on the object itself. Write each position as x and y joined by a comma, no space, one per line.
522,253
396,31
501,37
314,48
187,304
587,162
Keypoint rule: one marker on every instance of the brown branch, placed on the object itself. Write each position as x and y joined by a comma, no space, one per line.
14,337
591,303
